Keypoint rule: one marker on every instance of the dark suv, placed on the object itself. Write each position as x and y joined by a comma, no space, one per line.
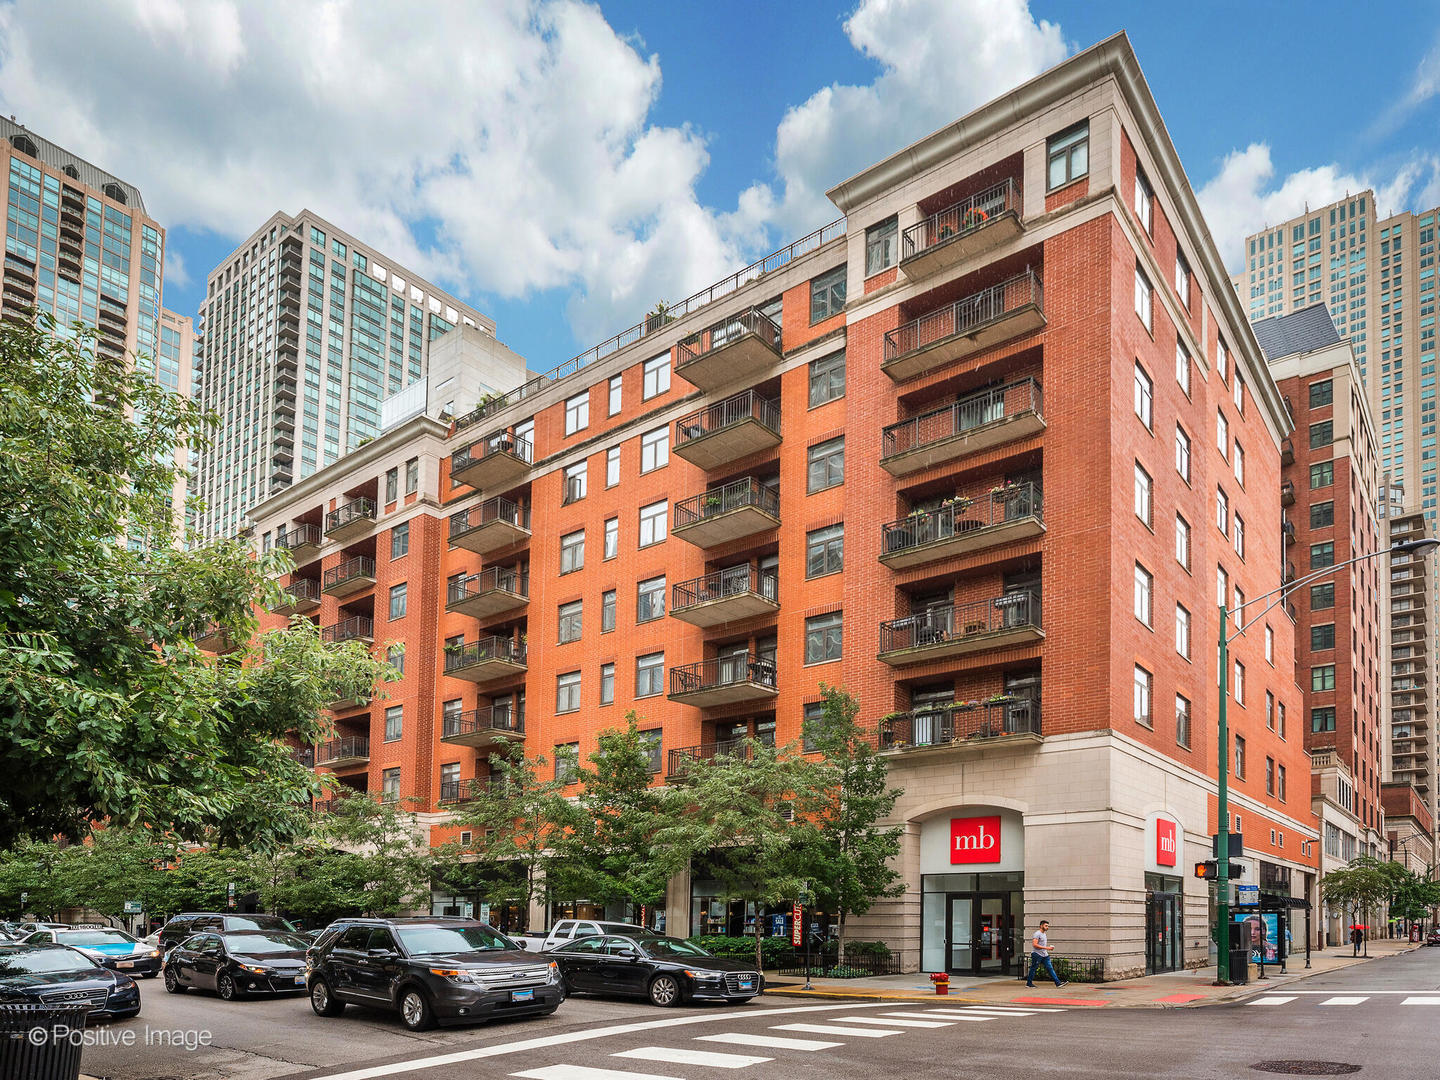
429,970
183,925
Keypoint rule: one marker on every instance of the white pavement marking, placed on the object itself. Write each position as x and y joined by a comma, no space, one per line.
922,1016
676,1055
773,1042
999,1010
893,1023
1421,1001
993,1010
584,1072
1272,1000
832,1029
1344,1000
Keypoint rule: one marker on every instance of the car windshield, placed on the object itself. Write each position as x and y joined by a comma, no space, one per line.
670,946
439,940
94,937
42,961
260,944
257,922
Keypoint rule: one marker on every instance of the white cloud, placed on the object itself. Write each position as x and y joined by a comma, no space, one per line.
176,272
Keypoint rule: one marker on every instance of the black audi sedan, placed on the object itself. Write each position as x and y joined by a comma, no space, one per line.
234,965
56,975
667,970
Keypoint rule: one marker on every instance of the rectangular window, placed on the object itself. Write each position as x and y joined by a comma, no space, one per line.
612,466
1322,434
1269,776
1239,757
1182,367
1144,202
412,476
390,785
1182,721
653,741
1322,515
1238,392
1322,474
397,601
1144,397
825,551
1182,453
1322,637
1222,359
657,377
1222,586
1239,688
572,552
570,618
1182,541
650,600
576,483
1067,155
654,449
1322,678
1322,596
827,378
392,485
1269,710
1144,588
567,694
1222,512
881,246
826,465
1269,644
395,656
577,413
1222,434
827,294
1322,719
607,611
1280,790
1182,631
1142,494
822,638
612,538
1143,681
567,759
1239,463
394,722
1322,555
1239,534
616,382
400,540
1322,393
653,519
1280,711
650,675
1182,278
607,684
1144,299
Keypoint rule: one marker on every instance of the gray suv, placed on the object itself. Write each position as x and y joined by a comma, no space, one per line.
429,970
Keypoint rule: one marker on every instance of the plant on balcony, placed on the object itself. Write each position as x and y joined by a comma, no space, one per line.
999,699
657,316
1009,488
712,502
957,503
974,217
945,233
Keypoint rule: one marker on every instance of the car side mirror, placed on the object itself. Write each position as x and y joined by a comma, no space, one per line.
381,954
628,954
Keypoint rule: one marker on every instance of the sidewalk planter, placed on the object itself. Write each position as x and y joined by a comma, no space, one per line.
941,980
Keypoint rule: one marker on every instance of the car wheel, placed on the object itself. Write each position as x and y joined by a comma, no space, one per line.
226,988
172,982
415,1011
664,991
323,1001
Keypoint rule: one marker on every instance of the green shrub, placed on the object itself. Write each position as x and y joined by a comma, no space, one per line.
774,950
866,948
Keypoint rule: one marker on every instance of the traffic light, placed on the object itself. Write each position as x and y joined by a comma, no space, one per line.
1209,870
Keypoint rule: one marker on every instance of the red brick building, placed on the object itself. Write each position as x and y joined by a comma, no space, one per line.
985,452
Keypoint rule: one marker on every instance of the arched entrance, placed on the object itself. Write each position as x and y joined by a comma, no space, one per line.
972,867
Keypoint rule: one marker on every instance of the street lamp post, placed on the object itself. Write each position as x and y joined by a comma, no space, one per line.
1222,858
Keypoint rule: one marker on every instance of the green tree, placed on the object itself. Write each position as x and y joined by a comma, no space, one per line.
839,842
1364,885
111,711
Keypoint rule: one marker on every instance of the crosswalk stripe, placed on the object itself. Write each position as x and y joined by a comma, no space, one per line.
1344,1000
1421,1001
998,1010
832,1029
893,1023
676,1055
924,1016
1272,1000
585,1072
991,1010
773,1042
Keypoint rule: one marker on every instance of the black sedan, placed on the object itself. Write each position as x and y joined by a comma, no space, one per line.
233,965
667,970
56,975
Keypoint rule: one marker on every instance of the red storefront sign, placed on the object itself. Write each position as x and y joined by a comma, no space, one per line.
795,924
1166,853
975,840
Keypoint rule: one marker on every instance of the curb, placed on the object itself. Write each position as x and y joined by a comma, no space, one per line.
875,995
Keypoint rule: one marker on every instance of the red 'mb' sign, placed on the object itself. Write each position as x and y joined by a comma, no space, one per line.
1164,842
975,839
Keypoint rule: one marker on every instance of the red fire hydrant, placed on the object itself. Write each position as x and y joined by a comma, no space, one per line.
941,979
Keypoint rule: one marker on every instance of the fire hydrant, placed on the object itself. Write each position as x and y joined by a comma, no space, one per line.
941,979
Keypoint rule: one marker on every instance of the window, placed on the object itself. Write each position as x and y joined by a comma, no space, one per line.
650,600
1239,688
650,675
1322,719
1067,155
1270,777
572,552
1238,392
1144,587
1322,678
1142,696
1322,434
652,523
881,246
1322,596
1239,463
616,382
654,449
412,476
1182,721
1239,608
1222,512
394,722
567,759
607,611
1182,367
827,294
1269,644
1144,299
822,638
570,621
1182,278
607,684
1322,555
1239,533
400,540
395,657
397,601
577,413
1280,709
827,378
390,785
1222,434
1280,790
392,485
1322,474
1144,202
1182,631
612,466
567,695
1182,453
1222,586
827,465
653,740
1322,393
1182,541
657,377
612,538
1144,397
1222,359
1142,494
825,551
1322,637
1269,710
1239,757
576,477
1322,515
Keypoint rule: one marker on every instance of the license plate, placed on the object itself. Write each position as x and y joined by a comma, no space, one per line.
747,984
299,980
522,995
126,963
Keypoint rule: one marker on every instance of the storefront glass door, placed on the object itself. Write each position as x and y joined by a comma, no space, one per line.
1164,930
992,935
959,930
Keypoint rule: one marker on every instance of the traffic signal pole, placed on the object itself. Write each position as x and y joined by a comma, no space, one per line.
1222,810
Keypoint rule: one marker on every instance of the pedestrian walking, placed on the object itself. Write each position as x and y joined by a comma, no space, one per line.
1356,936
1040,950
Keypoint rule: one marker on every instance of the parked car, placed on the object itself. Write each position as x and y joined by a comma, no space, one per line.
569,929
429,970
1433,938
107,947
184,925
57,975
667,970
31,927
234,965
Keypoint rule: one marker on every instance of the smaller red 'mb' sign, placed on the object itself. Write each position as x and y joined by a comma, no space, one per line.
1165,852
975,839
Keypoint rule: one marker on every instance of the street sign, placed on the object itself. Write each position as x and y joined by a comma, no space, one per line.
485,913
1247,894
796,924
133,907
1237,845
230,896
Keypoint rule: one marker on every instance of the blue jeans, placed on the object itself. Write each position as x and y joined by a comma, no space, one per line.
1038,961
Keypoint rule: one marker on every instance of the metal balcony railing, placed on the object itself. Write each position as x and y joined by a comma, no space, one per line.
358,567
750,321
747,491
965,315
505,578
960,515
491,510
963,218
303,589
305,755
503,719
298,537
482,649
744,406
354,510
682,757
955,622
504,443
351,629
722,584
459,791
968,414
941,725
343,749
723,671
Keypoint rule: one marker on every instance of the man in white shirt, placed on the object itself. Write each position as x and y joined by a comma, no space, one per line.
1040,950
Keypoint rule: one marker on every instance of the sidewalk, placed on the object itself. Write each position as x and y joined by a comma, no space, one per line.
1171,990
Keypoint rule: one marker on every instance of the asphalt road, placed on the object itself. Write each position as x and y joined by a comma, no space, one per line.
1383,1017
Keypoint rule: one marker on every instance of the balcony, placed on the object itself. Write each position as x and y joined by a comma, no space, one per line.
717,516
343,752
351,576
728,430
975,423
482,727
304,755
216,639
500,461
302,541
300,597
726,596
485,659
744,347
347,703
724,680
967,724
1287,529
462,791
355,518
494,524
1287,452
963,526
969,228
995,315
681,758
962,629
496,591
355,628
1287,494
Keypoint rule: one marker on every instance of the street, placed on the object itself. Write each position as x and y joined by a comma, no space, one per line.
1381,1016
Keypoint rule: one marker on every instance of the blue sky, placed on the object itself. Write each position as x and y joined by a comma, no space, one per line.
563,166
